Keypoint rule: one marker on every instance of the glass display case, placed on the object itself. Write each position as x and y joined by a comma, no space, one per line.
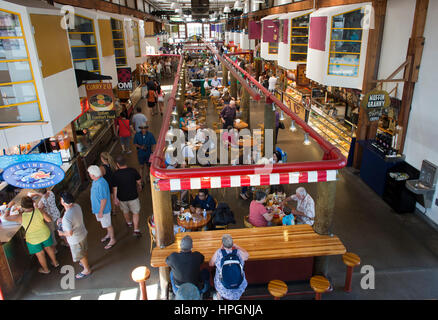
297,99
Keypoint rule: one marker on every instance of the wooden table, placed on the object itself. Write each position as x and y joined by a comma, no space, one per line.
240,125
262,243
191,128
191,225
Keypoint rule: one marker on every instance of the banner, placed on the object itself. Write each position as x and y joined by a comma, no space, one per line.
254,28
33,175
270,31
101,100
7,161
317,33
285,31
124,78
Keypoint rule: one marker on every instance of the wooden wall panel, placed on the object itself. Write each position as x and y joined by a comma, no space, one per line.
106,37
52,44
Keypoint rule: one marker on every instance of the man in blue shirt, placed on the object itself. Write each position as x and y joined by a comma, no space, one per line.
145,142
101,204
204,200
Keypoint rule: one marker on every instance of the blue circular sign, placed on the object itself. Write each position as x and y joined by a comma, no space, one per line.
33,174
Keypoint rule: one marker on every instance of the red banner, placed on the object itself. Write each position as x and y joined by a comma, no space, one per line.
317,33
254,30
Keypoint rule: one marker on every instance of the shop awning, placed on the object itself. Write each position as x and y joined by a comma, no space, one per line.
83,75
246,180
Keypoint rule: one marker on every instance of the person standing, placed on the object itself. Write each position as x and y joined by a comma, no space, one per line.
108,168
160,97
272,82
145,142
158,70
48,203
228,114
101,204
124,132
127,186
138,119
73,228
37,233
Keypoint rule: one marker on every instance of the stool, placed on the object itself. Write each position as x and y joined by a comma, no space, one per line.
320,285
277,289
351,260
140,275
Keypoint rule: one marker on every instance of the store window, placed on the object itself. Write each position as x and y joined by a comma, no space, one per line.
136,38
174,31
182,31
18,94
83,45
206,31
345,43
299,38
194,29
273,48
119,42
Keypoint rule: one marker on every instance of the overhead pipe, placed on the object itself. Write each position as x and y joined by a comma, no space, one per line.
333,159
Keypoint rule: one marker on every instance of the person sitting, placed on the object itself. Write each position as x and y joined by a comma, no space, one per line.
276,157
185,267
183,120
277,193
205,201
215,82
229,137
305,211
176,228
288,218
188,291
215,93
222,215
258,214
230,281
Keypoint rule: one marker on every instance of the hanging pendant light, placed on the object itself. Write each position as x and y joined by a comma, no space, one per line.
174,121
292,126
306,139
273,107
227,9
237,5
169,134
174,112
282,118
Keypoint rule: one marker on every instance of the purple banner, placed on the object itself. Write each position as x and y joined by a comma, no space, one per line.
317,33
270,31
285,30
254,30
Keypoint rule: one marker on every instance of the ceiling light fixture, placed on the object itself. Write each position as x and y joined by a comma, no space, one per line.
306,139
237,4
292,126
227,9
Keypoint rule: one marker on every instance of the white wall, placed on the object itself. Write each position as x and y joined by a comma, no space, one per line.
397,31
281,2
422,135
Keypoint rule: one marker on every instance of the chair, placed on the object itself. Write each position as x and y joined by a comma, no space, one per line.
152,236
277,289
320,285
247,223
351,260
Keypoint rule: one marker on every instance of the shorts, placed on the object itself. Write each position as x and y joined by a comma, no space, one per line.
130,206
151,104
105,221
35,248
125,141
143,158
79,250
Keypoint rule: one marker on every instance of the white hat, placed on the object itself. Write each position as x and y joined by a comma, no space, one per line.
95,171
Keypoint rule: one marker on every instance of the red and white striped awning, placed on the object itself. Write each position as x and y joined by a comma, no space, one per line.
246,180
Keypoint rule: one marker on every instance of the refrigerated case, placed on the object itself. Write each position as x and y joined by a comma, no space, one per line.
298,100
338,133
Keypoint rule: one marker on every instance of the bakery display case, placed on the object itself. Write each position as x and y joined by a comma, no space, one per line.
336,132
297,99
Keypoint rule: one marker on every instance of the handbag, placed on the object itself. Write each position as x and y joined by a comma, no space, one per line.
281,125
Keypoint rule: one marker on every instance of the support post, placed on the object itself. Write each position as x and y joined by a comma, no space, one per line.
233,86
224,75
162,209
244,106
269,119
324,211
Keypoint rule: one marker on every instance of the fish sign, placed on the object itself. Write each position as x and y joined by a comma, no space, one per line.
33,175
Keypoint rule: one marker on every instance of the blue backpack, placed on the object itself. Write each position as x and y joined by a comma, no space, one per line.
231,273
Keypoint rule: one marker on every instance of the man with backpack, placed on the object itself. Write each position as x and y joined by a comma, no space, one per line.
229,280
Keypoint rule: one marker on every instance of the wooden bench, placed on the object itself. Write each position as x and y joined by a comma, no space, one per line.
283,252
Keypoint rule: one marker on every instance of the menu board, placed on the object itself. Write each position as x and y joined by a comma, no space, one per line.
374,102
101,100
302,80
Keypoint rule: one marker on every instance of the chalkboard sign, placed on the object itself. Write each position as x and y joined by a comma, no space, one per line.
374,101
428,174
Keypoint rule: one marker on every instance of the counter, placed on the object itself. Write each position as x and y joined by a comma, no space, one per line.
375,166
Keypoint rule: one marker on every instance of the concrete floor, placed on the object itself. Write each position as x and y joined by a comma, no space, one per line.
402,249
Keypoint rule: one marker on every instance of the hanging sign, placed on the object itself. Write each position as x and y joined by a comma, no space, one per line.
7,161
101,100
124,77
33,175
374,102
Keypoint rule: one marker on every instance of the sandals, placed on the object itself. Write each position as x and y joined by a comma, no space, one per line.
109,246
81,275
137,234
104,239
41,270
55,265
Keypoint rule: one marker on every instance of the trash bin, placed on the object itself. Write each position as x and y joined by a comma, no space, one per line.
396,194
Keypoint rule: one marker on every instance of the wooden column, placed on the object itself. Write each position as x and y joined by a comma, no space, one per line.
365,130
258,68
269,123
324,212
163,218
233,86
224,75
244,106
414,54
